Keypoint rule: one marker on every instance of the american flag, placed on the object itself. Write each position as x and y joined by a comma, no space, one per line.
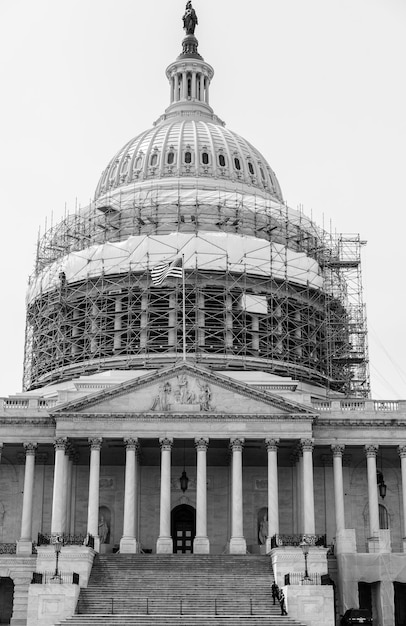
162,270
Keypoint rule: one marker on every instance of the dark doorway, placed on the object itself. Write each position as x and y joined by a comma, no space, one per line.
183,528
400,604
365,596
6,600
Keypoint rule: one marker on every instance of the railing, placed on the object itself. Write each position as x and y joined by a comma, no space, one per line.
277,541
359,405
8,548
299,578
179,606
44,578
45,539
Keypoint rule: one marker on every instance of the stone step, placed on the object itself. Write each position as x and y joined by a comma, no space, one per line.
179,620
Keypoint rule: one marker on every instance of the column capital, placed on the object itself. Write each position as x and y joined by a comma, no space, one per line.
402,451
306,445
237,444
371,450
131,443
166,443
95,443
60,443
201,443
271,445
30,448
337,449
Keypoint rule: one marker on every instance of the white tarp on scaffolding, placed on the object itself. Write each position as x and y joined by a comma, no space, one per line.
203,251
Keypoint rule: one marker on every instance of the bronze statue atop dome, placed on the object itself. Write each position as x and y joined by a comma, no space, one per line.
189,19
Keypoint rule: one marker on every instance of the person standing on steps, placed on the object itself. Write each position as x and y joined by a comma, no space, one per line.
282,603
275,592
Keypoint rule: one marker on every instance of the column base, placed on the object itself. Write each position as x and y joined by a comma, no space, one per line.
164,545
201,545
380,542
24,547
129,545
238,545
346,541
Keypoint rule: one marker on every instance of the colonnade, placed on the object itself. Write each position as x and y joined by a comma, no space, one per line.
237,544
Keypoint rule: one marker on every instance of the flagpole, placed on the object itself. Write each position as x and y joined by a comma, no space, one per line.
184,307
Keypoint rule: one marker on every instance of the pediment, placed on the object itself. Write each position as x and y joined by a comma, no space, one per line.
182,389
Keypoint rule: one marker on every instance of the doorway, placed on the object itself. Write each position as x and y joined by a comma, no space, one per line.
183,528
6,600
400,604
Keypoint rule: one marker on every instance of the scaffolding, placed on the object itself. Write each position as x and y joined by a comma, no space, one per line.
291,304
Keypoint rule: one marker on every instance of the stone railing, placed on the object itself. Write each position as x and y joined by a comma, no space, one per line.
45,539
359,405
8,548
298,578
44,578
19,404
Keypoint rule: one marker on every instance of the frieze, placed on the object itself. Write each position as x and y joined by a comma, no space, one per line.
184,393
192,417
354,423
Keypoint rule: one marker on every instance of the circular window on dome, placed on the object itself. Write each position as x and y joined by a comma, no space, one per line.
188,157
237,163
222,160
205,158
251,168
170,158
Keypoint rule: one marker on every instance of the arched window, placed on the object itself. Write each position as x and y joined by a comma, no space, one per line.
170,158
138,163
383,517
251,168
262,173
205,158
237,163
222,160
154,160
188,157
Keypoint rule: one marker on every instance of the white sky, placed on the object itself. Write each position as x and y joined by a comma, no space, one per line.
318,86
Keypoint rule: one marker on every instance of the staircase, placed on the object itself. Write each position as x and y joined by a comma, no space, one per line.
176,590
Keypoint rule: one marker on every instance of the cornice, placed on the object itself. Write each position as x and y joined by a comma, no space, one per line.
48,422
357,423
186,417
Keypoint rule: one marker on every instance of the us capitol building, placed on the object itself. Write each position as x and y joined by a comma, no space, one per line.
222,410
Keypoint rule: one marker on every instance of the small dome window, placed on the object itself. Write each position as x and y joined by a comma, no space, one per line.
251,168
154,160
138,163
113,170
171,157
205,158
222,160
188,157
124,167
237,163
262,173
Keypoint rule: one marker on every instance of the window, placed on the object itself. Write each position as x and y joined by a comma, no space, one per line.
222,160
383,517
262,173
171,158
188,157
205,158
237,164
251,168
138,163
154,160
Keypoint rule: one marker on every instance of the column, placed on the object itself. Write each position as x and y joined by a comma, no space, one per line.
24,545
201,95
184,85
273,499
118,322
308,491
176,87
65,489
1,450
371,452
93,500
194,84
338,450
237,542
58,522
201,544
402,454
164,543
128,543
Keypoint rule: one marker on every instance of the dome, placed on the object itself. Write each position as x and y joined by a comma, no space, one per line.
189,147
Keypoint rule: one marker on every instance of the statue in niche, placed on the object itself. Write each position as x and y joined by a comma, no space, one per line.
263,526
189,19
103,530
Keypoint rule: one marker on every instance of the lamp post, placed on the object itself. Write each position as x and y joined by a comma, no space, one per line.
58,543
305,549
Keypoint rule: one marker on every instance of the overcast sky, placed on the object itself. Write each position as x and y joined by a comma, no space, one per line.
318,86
